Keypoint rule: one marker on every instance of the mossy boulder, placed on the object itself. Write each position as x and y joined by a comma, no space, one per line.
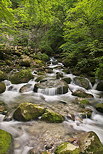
3,76
82,93
28,111
67,80
21,77
67,148
2,87
6,142
25,88
99,107
3,107
82,82
86,113
52,117
25,61
90,144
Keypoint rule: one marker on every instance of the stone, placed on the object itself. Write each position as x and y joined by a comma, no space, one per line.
86,113
59,75
3,76
21,77
84,102
3,108
51,87
25,88
82,93
99,107
2,87
26,61
100,86
52,117
67,148
67,80
90,144
82,82
28,111
6,142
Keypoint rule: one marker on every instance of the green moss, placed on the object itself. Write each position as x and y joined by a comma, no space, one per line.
99,107
82,94
21,77
51,116
3,76
2,87
84,102
28,111
67,148
5,142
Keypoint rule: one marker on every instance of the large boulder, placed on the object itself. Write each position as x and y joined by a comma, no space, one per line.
67,148
3,76
21,77
51,116
99,107
90,144
2,87
25,61
100,86
28,111
82,82
6,142
52,87
82,93
67,80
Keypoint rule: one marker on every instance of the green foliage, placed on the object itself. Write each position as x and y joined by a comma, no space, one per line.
99,72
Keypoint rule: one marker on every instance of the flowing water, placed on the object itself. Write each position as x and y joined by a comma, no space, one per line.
41,135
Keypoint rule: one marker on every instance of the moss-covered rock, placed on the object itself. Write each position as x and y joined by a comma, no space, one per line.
84,102
28,111
67,148
51,116
21,77
25,61
83,94
5,142
2,87
3,107
86,113
3,76
90,144
67,80
99,107
83,82
25,88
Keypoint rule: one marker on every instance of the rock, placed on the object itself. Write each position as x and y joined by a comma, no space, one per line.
59,75
82,82
99,107
90,144
67,148
100,86
25,61
51,87
84,102
82,93
25,88
21,77
3,108
2,87
52,117
67,80
39,79
6,142
3,76
49,70
28,111
86,113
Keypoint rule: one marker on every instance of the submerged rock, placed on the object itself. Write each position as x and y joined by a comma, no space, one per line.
25,88
51,87
21,77
28,111
67,148
2,87
82,82
82,93
90,144
51,116
99,107
6,143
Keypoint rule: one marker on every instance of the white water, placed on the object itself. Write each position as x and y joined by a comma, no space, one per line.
22,140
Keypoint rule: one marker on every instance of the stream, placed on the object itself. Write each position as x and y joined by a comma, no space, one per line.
40,135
